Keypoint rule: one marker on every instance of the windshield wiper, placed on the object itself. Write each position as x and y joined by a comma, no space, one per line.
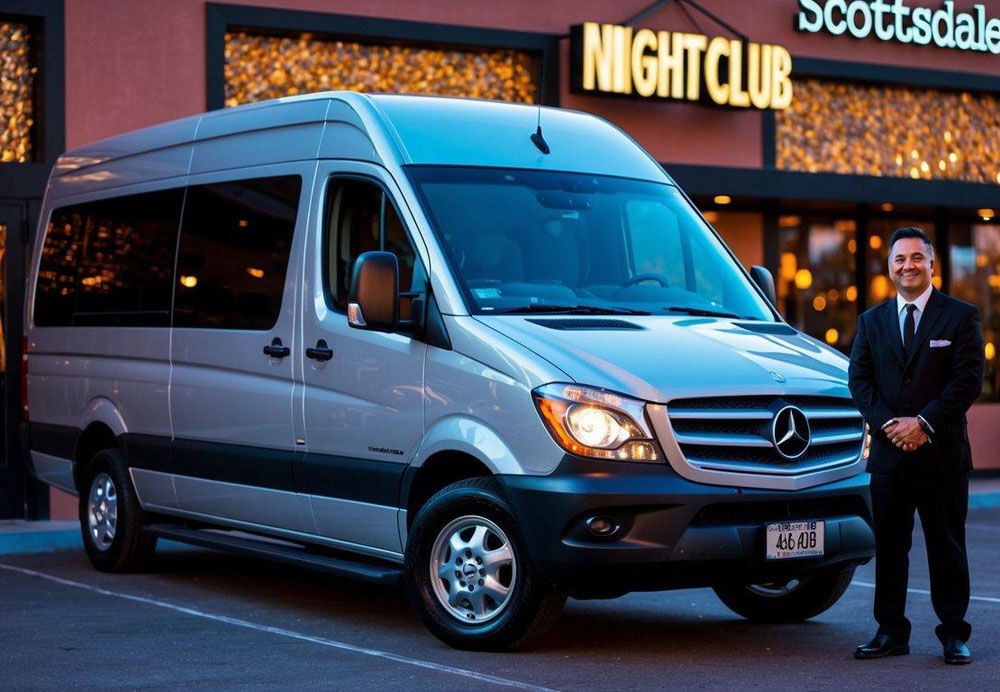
699,312
572,310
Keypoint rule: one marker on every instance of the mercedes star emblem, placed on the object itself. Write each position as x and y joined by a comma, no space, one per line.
790,432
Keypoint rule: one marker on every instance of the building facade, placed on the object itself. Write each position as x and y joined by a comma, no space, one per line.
806,130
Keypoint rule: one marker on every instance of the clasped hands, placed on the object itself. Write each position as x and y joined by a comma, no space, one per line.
906,434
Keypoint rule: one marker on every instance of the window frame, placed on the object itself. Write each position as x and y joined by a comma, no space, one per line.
324,249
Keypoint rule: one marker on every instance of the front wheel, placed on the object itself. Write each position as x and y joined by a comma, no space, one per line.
468,574
789,601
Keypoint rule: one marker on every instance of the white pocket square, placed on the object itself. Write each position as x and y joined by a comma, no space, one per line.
938,343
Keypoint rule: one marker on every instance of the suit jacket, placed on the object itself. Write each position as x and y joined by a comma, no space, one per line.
939,383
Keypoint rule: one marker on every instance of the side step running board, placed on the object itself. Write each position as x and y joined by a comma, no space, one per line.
338,565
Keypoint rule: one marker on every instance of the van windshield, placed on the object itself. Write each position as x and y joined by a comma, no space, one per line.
540,241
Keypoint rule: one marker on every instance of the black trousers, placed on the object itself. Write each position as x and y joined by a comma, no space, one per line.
942,501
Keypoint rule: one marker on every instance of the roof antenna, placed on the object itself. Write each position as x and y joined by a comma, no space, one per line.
537,139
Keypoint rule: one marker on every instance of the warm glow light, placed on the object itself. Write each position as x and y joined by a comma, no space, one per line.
789,265
851,293
925,167
942,165
875,242
914,173
881,287
936,281
914,154
833,294
789,221
990,351
711,216
819,303
987,214
947,136
723,199
244,223
982,260
887,207
832,335
189,281
803,279
953,157
852,246
255,273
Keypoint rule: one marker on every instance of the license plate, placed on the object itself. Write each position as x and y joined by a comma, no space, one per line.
787,539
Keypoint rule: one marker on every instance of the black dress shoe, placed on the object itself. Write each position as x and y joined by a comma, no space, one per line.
956,652
883,645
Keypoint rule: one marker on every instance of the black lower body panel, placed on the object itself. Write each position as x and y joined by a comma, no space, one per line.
675,533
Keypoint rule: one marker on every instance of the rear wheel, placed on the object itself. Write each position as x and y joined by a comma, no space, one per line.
468,574
110,517
788,601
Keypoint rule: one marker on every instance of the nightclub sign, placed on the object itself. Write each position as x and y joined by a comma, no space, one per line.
620,60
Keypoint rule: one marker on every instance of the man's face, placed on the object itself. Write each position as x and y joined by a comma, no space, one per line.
911,265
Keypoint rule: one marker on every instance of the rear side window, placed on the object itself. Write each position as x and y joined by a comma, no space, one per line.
235,241
109,262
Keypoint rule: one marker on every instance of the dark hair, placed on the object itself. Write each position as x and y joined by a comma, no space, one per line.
911,232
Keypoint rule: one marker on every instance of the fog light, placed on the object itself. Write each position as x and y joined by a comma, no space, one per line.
602,526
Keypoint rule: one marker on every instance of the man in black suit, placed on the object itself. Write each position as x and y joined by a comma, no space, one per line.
916,368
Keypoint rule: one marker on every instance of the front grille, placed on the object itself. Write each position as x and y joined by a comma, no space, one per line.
734,433
746,513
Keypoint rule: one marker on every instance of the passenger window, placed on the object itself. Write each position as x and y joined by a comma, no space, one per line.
235,241
361,218
109,262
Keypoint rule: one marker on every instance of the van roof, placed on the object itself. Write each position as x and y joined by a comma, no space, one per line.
387,129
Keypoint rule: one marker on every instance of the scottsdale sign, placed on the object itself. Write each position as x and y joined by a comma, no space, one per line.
896,21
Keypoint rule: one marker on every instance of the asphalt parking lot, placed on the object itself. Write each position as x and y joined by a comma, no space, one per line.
206,619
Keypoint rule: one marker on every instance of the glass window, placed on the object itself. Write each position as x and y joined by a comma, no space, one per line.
235,241
906,132
262,67
17,98
109,262
815,282
975,277
523,240
362,218
880,229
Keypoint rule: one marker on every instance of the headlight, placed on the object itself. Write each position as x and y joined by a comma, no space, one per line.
595,423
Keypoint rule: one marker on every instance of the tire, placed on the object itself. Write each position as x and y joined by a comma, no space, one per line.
111,520
806,597
475,514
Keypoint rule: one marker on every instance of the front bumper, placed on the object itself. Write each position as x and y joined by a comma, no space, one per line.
674,532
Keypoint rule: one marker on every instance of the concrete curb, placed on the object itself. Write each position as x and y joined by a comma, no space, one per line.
29,542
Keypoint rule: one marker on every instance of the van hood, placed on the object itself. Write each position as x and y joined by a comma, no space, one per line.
670,357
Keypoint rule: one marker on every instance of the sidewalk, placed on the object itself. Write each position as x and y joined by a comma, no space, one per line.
19,536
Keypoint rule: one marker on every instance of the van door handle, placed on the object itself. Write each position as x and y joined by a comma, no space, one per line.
276,350
320,352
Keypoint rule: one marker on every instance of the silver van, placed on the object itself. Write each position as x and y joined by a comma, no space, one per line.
488,350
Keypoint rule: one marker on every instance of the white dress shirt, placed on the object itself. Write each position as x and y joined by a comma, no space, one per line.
920,302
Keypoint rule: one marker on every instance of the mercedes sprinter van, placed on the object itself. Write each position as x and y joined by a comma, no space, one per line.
489,350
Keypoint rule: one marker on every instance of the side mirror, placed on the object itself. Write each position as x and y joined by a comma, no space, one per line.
762,277
373,301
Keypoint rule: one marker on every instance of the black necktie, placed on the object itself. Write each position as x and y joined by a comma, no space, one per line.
908,328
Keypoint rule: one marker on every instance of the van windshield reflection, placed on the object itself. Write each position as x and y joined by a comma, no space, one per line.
522,241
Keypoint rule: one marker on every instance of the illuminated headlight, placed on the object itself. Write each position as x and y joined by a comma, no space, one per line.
595,423
868,444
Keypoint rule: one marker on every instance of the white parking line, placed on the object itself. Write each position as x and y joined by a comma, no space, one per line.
926,592
482,677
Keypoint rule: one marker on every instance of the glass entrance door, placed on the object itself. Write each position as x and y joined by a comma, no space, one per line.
19,495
